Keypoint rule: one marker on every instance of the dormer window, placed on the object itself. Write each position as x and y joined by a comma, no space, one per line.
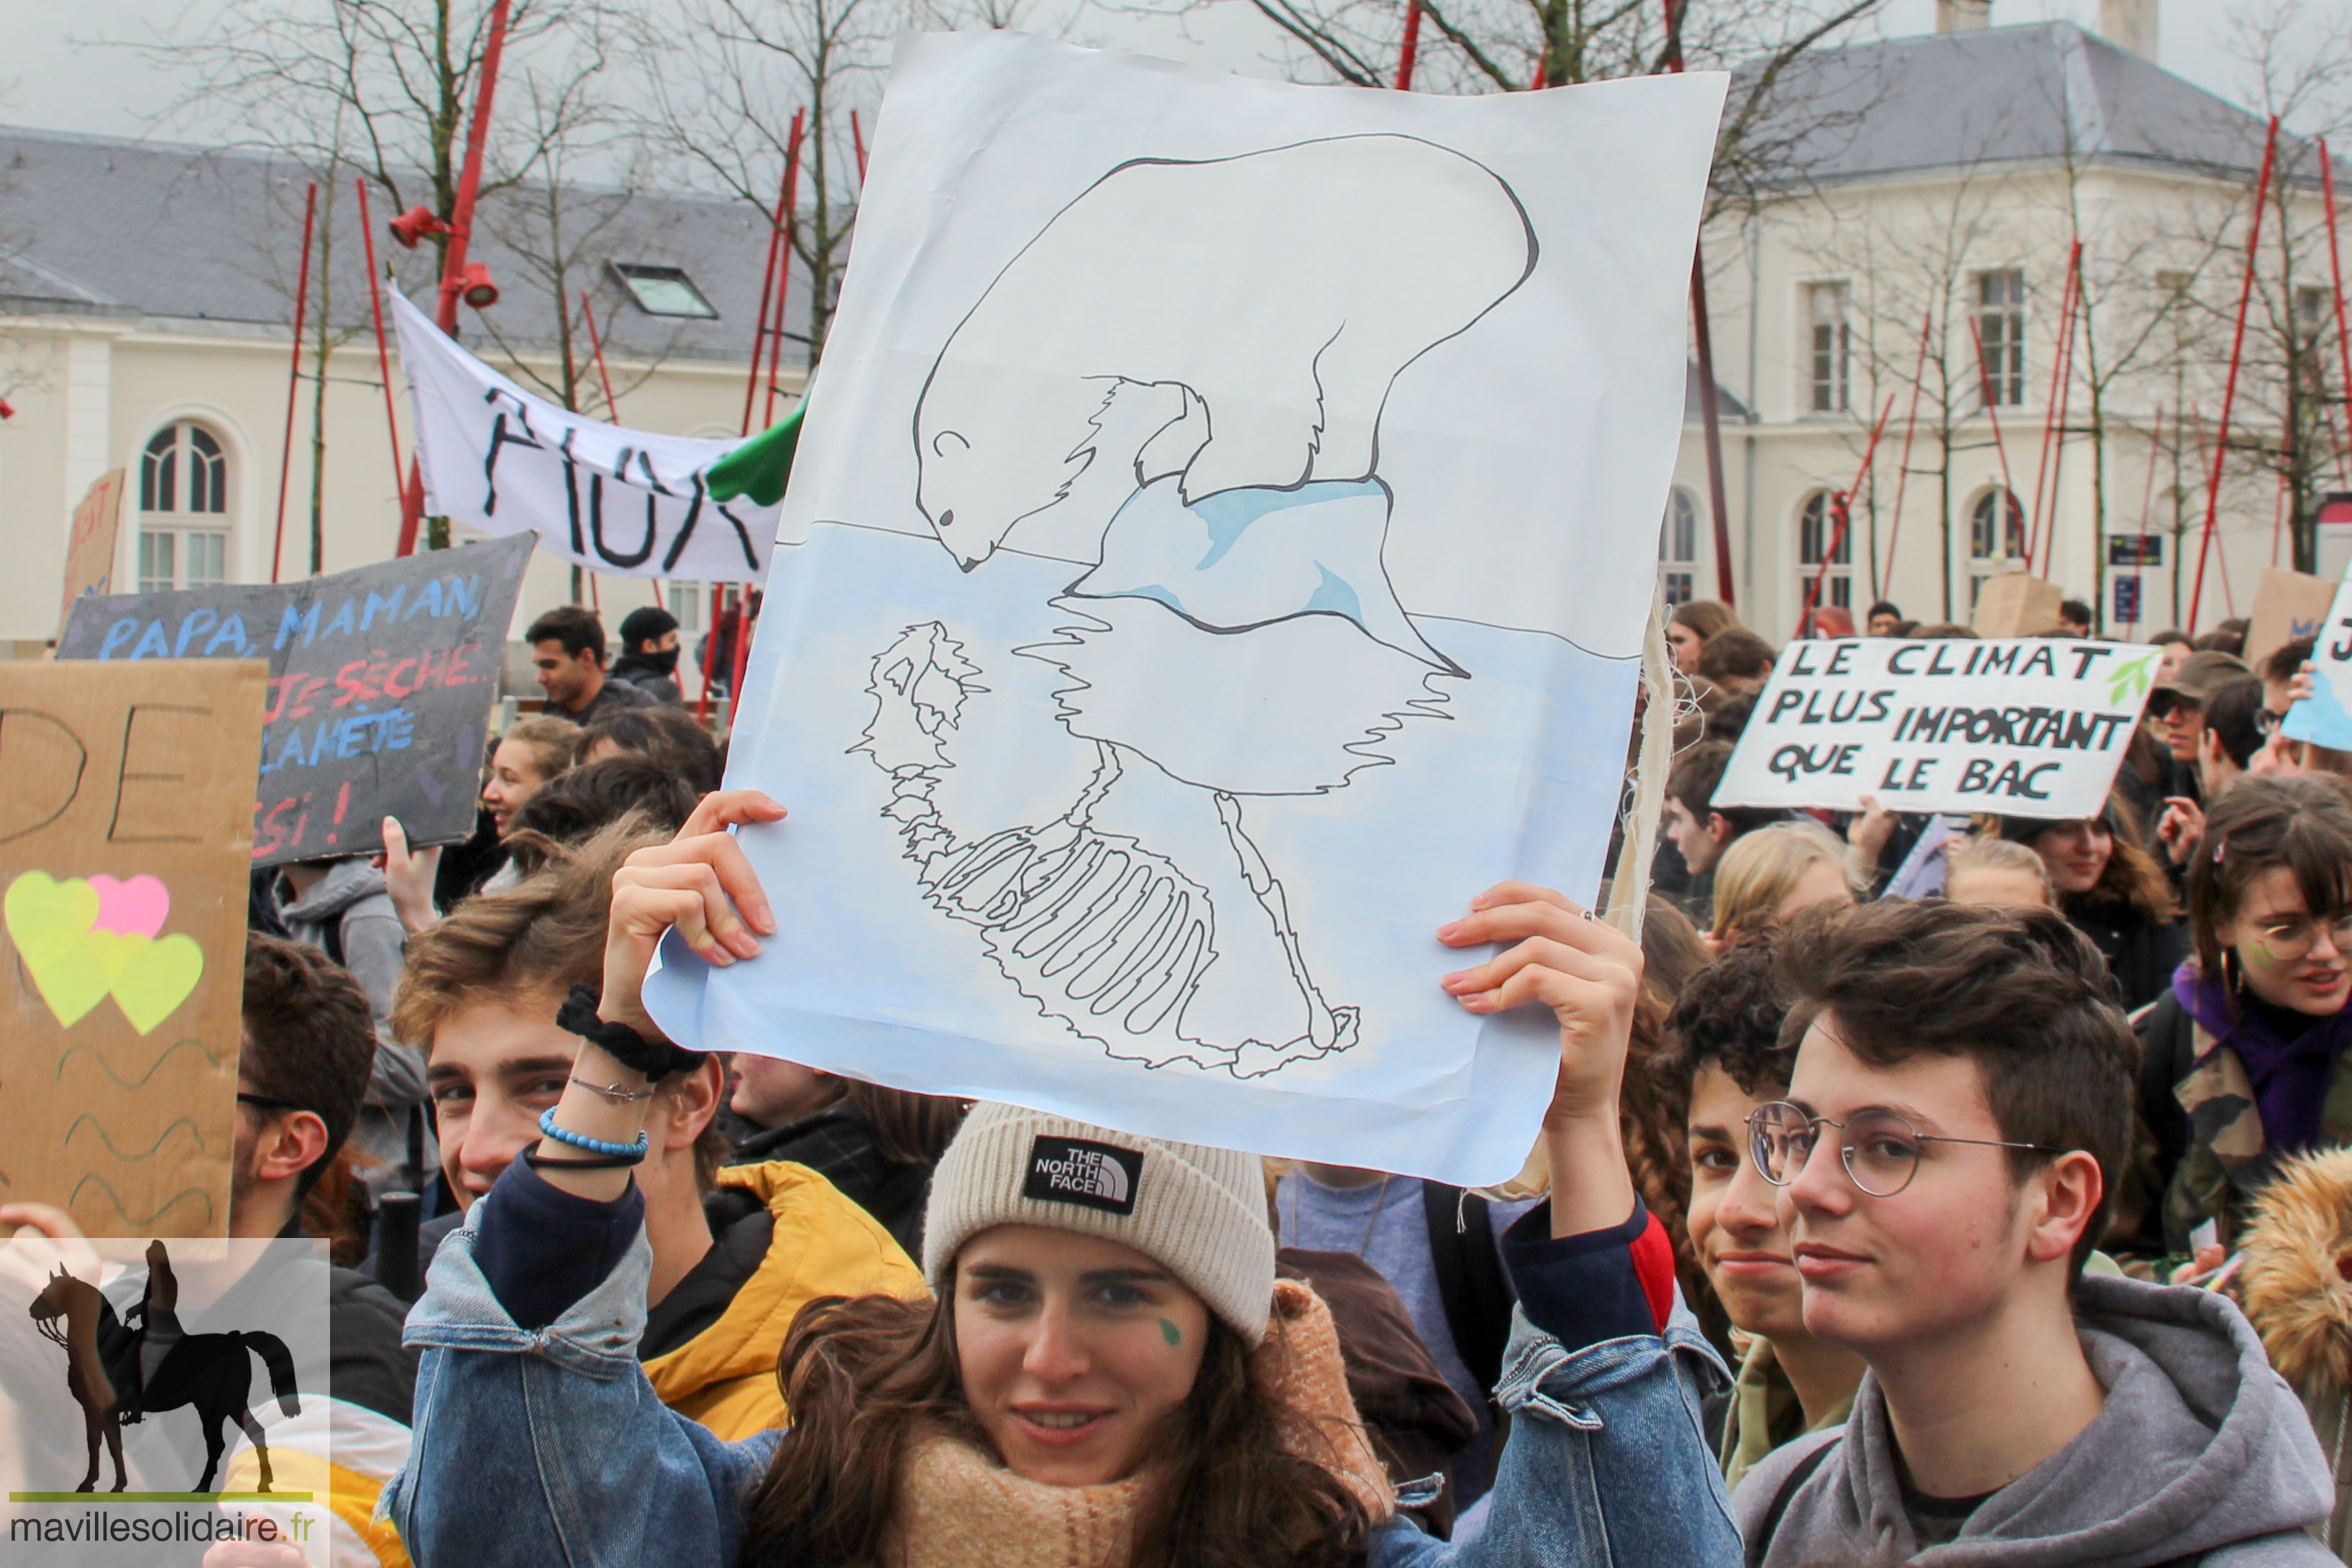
663,291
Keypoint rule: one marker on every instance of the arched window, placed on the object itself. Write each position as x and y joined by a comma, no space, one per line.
1817,528
1988,539
183,510
1996,537
1678,547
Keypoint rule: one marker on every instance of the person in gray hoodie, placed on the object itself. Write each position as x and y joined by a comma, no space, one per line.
1960,1095
340,907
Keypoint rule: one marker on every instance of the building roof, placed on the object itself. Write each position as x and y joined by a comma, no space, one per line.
157,231
2040,93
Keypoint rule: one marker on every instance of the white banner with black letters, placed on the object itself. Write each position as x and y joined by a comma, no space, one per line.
621,501
2027,726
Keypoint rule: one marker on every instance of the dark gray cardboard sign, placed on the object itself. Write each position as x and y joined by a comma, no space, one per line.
381,682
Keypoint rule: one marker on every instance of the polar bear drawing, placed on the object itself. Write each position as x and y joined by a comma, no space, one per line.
1271,299
1230,329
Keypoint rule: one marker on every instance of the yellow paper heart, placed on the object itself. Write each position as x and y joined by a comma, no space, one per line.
114,950
49,921
158,978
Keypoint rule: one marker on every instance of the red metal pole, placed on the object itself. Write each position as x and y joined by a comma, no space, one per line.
767,286
2336,271
2229,383
1842,503
857,139
611,404
2049,535
1412,46
383,354
2009,486
785,267
743,655
461,220
1902,473
710,650
294,374
2050,403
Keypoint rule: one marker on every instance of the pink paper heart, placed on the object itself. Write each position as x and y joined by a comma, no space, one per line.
134,908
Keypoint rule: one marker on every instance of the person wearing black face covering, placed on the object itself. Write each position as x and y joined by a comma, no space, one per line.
648,659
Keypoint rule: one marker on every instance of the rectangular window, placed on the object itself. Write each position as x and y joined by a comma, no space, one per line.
173,558
1832,347
685,603
663,291
1680,587
2313,307
2000,320
207,556
158,552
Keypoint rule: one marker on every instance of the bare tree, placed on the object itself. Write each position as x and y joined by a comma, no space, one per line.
1505,45
724,81
2296,59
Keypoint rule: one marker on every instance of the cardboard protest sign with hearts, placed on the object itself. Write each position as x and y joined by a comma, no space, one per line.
126,840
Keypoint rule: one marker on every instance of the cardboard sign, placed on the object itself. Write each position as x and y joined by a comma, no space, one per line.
90,541
2016,604
381,682
2024,727
626,502
124,841
2289,605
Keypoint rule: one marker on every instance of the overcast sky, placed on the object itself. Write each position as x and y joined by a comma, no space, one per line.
52,79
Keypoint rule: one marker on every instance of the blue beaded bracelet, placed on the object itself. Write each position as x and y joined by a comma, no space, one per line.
594,1145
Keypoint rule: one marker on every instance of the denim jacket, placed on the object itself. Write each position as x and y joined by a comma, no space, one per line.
548,1446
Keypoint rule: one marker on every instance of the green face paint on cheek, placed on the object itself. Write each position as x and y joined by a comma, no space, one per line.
1171,1333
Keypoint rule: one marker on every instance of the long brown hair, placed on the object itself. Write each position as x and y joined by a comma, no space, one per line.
2132,877
868,1379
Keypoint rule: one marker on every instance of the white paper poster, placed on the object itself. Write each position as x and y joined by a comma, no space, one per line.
2031,726
2325,717
625,502
1219,549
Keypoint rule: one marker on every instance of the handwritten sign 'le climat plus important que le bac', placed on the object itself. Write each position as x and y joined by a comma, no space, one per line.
2023,727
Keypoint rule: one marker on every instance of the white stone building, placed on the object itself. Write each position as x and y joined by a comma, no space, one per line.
1952,172
146,297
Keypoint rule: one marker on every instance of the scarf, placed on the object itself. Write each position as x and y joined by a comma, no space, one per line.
957,1505
2289,1073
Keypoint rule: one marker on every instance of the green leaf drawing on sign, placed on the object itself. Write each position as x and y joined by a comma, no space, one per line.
2129,683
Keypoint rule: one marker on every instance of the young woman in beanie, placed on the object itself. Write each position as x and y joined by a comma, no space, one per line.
1110,1376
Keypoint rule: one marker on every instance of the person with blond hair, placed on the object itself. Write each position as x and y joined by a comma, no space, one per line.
1775,873
1998,872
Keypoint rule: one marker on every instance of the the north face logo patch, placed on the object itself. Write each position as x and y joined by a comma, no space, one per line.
1090,1174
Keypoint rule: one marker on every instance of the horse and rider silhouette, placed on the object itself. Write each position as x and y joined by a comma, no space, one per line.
117,1373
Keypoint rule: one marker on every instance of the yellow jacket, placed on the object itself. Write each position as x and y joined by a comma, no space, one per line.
824,1245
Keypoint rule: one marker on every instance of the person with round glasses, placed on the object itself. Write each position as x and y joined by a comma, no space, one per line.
1958,1109
2244,1059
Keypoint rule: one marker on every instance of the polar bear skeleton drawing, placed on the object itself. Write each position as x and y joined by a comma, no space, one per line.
1230,330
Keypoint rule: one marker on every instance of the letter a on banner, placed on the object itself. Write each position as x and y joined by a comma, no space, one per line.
625,502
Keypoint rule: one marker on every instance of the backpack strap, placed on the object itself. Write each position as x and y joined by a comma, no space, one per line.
1799,1474
1470,1282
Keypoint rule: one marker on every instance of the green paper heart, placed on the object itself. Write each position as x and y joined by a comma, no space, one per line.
155,981
49,921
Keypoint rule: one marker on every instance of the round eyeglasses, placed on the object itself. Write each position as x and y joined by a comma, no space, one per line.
1879,1149
2289,940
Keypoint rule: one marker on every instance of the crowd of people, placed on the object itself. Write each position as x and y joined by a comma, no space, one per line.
1915,1187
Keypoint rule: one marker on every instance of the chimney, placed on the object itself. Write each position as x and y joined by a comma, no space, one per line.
2129,25
1963,16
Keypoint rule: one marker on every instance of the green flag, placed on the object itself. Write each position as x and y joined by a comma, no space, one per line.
759,468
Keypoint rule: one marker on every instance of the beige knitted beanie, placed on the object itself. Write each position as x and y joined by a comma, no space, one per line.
1198,1210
